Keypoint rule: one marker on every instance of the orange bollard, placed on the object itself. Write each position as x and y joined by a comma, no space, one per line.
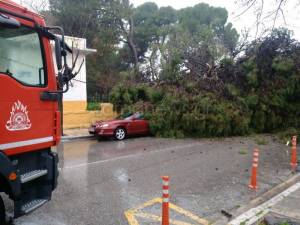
294,162
253,181
165,201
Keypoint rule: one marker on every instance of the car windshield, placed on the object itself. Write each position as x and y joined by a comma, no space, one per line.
134,116
124,116
21,55
130,116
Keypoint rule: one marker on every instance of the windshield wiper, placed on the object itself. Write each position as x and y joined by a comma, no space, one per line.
7,72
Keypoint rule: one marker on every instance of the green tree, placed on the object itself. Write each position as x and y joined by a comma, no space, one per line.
200,39
78,18
94,20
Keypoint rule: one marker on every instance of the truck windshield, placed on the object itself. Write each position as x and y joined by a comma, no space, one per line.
21,56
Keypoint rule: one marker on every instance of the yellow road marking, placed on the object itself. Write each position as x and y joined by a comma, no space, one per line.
146,204
188,214
131,218
136,212
130,214
158,219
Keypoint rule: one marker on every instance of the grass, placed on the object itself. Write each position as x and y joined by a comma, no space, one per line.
243,152
285,223
244,222
261,141
286,135
259,213
93,106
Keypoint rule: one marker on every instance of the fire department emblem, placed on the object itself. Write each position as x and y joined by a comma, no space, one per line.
19,119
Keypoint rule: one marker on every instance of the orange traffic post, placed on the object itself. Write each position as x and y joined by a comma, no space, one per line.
294,162
253,181
165,201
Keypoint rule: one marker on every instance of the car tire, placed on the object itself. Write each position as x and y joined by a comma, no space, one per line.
120,134
2,213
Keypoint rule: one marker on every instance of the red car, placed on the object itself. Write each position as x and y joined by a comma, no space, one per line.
120,128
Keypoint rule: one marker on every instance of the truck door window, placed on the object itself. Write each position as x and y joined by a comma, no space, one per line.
21,56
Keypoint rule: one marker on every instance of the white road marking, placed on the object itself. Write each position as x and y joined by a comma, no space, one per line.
133,155
255,214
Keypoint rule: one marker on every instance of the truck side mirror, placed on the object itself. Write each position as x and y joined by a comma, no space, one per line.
58,55
7,22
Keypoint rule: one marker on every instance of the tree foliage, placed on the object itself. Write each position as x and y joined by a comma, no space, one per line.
147,42
186,69
259,92
78,18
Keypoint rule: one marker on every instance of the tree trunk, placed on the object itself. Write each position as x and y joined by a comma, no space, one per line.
133,47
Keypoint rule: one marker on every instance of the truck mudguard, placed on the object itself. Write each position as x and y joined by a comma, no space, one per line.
6,168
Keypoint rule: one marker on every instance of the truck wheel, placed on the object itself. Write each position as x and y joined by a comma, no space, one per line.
120,133
2,212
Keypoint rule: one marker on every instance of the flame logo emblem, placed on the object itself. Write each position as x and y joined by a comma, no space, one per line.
19,119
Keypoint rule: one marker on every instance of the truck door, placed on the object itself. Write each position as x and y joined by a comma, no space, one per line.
26,122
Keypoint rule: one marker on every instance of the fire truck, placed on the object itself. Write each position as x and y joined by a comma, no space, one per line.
32,83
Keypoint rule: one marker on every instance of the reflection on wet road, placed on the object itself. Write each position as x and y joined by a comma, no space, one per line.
99,181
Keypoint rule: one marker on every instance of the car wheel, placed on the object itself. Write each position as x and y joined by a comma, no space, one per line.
120,134
2,212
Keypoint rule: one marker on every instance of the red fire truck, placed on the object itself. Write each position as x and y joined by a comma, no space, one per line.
30,94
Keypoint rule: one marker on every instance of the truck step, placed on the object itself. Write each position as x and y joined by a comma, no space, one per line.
32,205
32,175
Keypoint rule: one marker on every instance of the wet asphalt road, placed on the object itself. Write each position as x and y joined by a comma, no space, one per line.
100,180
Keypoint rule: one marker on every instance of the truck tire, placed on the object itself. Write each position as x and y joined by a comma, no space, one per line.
2,212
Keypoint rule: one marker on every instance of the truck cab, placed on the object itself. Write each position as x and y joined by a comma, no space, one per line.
29,108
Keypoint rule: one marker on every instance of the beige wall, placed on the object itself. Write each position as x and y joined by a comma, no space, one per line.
76,115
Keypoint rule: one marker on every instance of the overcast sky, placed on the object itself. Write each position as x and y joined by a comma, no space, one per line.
245,21
248,19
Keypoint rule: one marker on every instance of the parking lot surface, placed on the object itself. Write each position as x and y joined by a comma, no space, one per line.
101,181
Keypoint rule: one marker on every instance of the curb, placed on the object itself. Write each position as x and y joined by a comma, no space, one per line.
293,179
69,138
256,214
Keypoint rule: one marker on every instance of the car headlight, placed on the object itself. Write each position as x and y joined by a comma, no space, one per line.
105,125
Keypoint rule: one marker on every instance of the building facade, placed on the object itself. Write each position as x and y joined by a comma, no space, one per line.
75,103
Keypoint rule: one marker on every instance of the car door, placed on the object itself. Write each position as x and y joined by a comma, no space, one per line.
139,125
136,126
145,127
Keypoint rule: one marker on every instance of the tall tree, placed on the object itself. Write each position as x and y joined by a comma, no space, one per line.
78,18
96,21
200,39
147,41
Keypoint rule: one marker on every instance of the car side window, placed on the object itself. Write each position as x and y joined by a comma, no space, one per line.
138,116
